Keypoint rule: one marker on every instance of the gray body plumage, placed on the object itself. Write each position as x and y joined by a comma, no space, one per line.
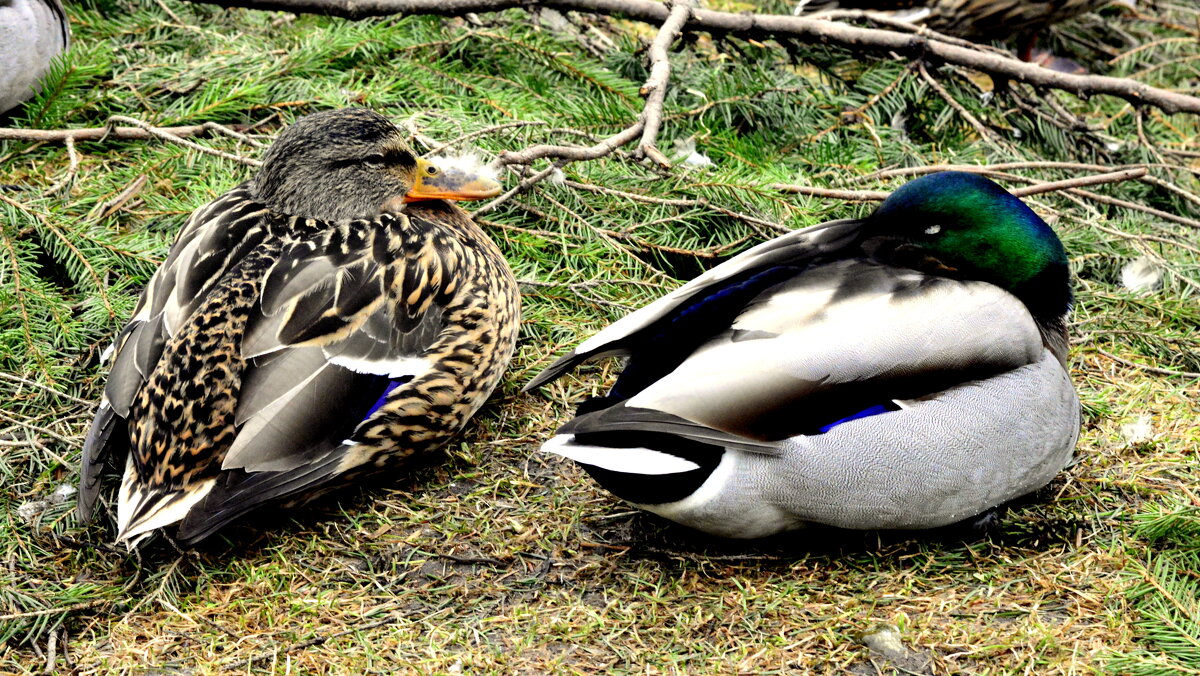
859,374
32,33
898,470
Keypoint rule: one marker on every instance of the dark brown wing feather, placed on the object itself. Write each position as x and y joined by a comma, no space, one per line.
219,234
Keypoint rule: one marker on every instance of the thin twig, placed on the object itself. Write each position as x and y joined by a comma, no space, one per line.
1146,367
73,442
832,193
234,133
986,134
124,133
1035,189
1145,238
1133,206
172,138
1003,166
47,388
72,169
102,211
1081,181
515,190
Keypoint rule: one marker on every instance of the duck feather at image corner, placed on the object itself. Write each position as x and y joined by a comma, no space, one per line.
32,34
901,371
324,321
1023,20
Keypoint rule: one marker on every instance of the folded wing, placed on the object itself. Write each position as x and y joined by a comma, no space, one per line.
740,275
842,338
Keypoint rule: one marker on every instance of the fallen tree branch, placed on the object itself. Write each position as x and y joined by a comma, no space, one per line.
832,193
804,28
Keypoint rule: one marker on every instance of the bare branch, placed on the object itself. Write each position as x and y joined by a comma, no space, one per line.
1035,189
98,133
655,89
139,131
832,193
72,169
803,28
1080,182
517,189
172,138
574,153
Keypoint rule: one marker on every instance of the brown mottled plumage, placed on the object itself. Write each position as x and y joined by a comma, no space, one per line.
974,19
304,332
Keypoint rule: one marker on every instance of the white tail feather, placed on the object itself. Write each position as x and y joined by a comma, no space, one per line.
626,460
168,508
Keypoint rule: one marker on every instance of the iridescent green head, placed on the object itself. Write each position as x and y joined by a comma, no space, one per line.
978,230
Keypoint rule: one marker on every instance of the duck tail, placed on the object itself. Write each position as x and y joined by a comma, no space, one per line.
142,509
626,460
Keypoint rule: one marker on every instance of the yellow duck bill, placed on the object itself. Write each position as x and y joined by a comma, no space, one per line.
462,179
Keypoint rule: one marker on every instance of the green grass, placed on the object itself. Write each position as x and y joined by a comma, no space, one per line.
494,558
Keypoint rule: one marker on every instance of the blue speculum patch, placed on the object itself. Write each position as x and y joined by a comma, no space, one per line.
392,384
865,413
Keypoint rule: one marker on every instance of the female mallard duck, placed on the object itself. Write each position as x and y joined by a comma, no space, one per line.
32,33
905,370
307,328
977,19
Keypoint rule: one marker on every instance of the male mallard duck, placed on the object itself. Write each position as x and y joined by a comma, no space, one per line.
906,370
977,19
307,328
32,33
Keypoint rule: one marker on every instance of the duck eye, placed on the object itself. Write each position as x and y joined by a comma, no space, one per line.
933,230
431,170
375,160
